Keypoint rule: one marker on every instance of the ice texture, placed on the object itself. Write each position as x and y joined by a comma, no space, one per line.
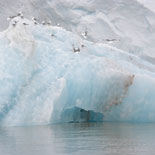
41,77
130,22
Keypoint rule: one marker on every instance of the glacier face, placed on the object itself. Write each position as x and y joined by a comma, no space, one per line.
41,77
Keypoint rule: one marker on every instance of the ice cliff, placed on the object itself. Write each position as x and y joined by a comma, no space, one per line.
42,79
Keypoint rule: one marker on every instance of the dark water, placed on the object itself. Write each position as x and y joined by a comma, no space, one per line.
79,139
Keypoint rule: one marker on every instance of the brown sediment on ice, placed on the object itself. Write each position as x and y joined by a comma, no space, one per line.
119,99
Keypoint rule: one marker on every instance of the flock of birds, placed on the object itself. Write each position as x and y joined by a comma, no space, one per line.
36,21
20,14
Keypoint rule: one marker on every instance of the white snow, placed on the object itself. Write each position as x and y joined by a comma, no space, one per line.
130,22
150,4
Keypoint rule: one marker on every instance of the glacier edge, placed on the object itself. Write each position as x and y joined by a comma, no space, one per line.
41,76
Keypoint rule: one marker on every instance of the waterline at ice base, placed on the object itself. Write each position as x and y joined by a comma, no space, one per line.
50,75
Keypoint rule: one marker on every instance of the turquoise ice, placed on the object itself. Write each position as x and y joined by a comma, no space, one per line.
41,77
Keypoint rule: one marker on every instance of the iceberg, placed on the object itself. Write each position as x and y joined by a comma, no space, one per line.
44,81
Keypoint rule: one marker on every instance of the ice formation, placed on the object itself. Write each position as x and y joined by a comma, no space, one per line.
130,22
42,79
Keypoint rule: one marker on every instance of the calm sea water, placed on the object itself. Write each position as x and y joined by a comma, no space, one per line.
79,139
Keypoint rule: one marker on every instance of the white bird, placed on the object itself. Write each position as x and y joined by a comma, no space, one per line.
43,22
35,23
83,46
14,23
22,16
58,25
85,34
25,24
11,17
49,22
34,19
8,18
52,35
19,13
110,40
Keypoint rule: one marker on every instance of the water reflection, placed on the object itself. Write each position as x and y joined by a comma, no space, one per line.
79,138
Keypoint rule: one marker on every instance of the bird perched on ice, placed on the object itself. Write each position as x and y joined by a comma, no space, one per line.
85,34
52,35
83,46
58,25
110,40
49,22
76,49
8,18
34,20
35,23
11,17
43,22
25,24
14,23
20,14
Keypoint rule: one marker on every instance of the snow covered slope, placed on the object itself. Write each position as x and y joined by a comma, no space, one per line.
150,4
41,77
130,22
